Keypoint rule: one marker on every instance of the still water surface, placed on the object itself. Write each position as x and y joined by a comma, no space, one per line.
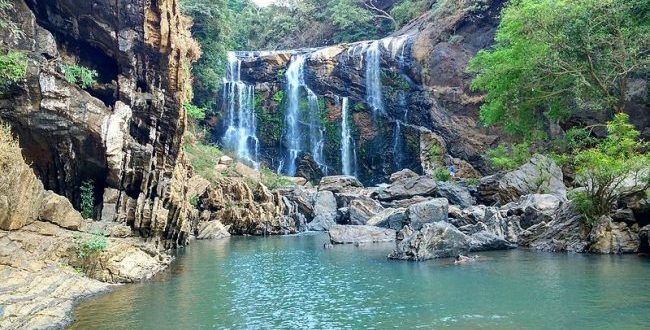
292,282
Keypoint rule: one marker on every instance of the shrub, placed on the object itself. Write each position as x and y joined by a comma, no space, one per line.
273,180
194,200
87,198
13,67
194,112
88,249
472,182
442,174
203,158
435,152
509,158
81,75
618,166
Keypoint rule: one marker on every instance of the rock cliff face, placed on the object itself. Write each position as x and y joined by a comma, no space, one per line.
125,131
404,99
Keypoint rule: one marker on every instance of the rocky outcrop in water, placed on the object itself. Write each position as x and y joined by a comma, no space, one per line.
123,132
359,234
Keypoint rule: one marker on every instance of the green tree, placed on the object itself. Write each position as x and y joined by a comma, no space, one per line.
617,166
554,57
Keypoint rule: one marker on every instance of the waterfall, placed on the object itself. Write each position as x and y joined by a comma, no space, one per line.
373,78
295,80
348,150
316,131
240,136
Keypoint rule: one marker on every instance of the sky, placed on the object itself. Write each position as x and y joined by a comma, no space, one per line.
263,3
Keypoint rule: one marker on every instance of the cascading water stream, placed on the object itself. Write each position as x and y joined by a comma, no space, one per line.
316,131
295,80
240,135
348,150
373,78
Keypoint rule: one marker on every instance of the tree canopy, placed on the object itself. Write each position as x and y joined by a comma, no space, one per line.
555,57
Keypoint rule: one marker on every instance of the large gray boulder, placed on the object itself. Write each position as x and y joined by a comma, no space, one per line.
429,211
339,183
564,232
487,241
325,211
348,234
539,175
435,240
212,230
403,174
362,209
408,187
455,193
389,218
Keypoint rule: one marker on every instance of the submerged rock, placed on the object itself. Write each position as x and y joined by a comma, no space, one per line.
435,240
432,210
212,230
350,234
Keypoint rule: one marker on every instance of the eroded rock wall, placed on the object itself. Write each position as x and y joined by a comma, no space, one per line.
123,132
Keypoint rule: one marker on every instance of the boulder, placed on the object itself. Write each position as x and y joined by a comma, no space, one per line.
537,208
389,218
426,212
455,193
435,240
196,186
59,211
408,188
487,241
403,174
564,232
539,175
362,209
611,237
325,211
225,160
211,230
338,183
404,203
644,240
349,234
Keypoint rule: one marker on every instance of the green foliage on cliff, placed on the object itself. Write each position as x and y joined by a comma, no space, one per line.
203,158
273,180
79,74
194,112
616,166
87,194
13,66
555,57
509,157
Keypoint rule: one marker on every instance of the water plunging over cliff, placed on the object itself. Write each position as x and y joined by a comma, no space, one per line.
295,80
239,98
373,78
348,152
316,131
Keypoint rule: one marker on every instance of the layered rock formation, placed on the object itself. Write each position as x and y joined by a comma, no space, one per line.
124,132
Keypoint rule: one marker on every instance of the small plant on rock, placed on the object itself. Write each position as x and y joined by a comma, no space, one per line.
13,66
89,248
81,75
442,174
